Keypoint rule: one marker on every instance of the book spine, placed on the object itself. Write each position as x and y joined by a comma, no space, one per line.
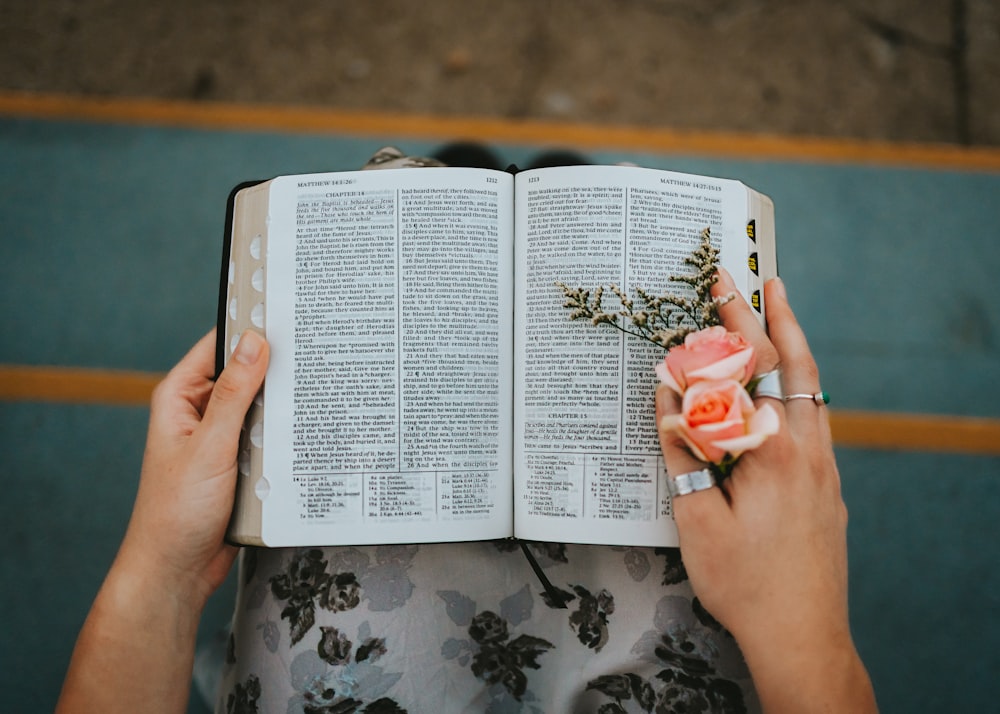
242,307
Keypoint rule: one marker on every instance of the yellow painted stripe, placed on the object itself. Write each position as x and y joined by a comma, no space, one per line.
859,429
321,120
76,385
916,432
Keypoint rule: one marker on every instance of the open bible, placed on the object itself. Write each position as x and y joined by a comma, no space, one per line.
425,382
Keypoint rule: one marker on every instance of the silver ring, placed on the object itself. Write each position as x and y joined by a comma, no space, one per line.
769,385
690,482
821,398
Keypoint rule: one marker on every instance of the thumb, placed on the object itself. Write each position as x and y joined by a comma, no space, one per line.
236,388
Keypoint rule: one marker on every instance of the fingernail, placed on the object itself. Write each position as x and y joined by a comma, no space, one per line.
249,348
779,286
725,279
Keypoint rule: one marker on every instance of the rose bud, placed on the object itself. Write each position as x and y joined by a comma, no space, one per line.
718,418
709,354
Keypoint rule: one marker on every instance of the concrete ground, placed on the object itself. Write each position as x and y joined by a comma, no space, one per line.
894,70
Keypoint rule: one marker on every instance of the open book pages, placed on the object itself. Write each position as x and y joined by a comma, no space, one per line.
426,384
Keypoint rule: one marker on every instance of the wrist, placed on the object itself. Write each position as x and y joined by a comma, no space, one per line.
136,646
813,670
139,572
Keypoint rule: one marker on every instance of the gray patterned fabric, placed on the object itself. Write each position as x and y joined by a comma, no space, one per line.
466,627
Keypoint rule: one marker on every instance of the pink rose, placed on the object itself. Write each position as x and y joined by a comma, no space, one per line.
719,418
709,354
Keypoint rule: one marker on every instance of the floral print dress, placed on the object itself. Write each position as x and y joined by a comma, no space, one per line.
469,627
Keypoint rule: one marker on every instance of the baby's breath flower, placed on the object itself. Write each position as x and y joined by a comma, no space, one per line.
665,320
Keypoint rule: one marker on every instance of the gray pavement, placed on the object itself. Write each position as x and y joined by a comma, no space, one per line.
897,70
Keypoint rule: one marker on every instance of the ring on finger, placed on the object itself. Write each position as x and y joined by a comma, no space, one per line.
821,398
769,385
683,484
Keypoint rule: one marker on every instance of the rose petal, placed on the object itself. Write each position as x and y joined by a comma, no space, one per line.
765,421
674,423
707,336
735,447
667,378
762,424
704,439
732,367
693,446
714,429
703,350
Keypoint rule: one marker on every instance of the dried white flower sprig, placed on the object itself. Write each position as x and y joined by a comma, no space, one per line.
665,320
710,368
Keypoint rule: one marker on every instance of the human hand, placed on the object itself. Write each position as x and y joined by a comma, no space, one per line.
188,477
136,648
766,551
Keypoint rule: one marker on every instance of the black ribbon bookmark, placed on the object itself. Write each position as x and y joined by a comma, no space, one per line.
556,597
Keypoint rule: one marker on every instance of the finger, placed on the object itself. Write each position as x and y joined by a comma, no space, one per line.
185,389
799,371
679,460
235,389
737,316
200,359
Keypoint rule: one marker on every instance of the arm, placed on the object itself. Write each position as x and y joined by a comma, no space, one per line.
766,552
136,649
